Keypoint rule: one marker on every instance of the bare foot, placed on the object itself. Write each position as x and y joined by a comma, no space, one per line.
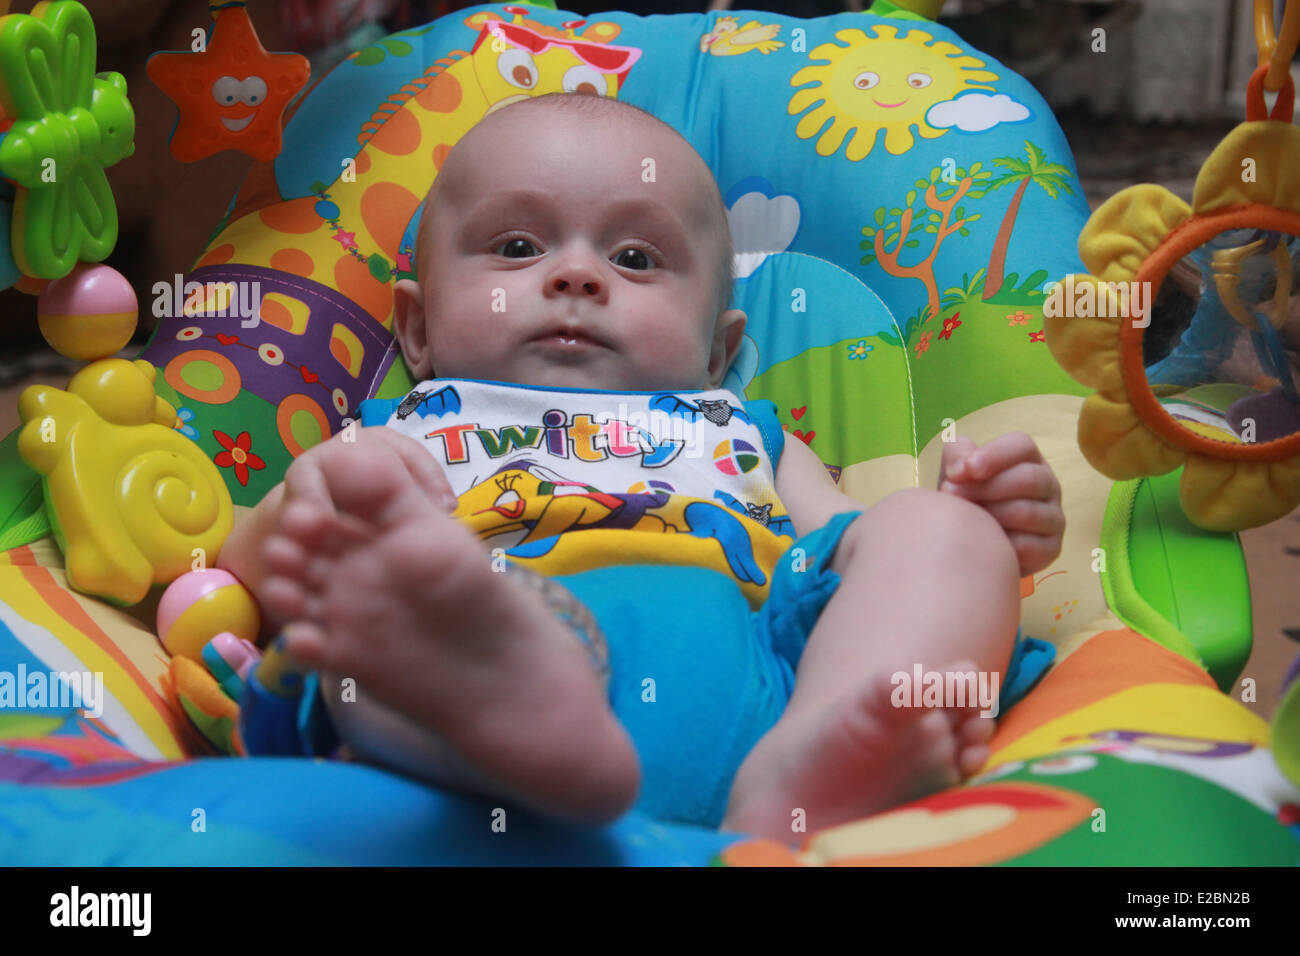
852,758
392,591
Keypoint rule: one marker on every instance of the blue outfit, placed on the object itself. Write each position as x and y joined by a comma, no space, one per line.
697,676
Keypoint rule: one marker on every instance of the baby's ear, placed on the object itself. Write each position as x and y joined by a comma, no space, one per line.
727,336
410,329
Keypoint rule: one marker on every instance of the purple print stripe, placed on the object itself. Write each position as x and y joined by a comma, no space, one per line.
299,363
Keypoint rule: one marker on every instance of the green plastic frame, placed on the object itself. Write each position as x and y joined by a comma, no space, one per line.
1184,587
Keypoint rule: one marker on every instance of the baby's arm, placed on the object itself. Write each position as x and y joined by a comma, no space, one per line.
807,489
1008,478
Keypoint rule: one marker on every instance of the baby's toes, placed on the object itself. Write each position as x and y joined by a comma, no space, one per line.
937,753
285,556
310,539
307,643
309,523
285,599
972,758
375,487
973,736
975,730
319,573
322,648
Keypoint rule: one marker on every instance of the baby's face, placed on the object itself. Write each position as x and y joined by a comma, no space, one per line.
549,261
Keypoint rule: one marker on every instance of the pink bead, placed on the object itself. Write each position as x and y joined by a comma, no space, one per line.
240,656
187,589
89,289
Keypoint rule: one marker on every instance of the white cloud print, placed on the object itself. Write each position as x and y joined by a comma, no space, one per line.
761,226
976,112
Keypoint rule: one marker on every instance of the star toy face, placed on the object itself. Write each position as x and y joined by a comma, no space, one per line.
231,96
250,93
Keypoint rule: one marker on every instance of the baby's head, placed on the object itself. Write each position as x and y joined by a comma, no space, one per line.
573,241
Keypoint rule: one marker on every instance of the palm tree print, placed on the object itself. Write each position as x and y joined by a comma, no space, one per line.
1052,177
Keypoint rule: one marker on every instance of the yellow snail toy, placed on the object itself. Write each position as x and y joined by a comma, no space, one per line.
131,500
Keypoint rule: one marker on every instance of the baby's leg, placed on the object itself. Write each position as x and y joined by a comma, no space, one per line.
390,590
928,579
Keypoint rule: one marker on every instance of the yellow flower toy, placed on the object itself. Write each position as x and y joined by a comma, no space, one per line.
1223,402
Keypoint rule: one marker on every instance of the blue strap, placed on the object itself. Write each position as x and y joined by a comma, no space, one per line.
377,411
315,727
763,414
286,726
1030,660
268,722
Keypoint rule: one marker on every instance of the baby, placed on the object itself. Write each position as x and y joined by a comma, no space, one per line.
551,265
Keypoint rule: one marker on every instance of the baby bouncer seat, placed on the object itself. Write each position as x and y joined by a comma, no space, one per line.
898,202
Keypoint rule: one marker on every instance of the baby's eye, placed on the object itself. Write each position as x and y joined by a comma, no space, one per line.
633,258
518,249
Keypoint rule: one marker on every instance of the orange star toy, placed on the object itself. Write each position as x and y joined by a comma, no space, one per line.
233,94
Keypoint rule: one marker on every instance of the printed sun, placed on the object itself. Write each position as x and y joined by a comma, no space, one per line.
881,82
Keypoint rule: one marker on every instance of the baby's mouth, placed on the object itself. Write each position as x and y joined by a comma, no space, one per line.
567,337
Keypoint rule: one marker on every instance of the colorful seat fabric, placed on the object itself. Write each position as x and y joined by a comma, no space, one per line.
898,202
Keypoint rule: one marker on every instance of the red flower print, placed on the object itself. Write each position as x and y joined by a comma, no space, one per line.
237,454
1038,336
949,325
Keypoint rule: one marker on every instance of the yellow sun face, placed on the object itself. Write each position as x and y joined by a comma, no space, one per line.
881,82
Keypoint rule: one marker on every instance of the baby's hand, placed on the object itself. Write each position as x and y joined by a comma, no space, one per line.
1009,478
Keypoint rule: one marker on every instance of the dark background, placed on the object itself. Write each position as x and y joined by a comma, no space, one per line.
168,209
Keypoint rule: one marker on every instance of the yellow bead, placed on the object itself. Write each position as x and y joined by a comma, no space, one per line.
87,337
230,608
88,314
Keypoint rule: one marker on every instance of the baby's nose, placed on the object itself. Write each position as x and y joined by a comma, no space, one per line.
577,281
577,274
